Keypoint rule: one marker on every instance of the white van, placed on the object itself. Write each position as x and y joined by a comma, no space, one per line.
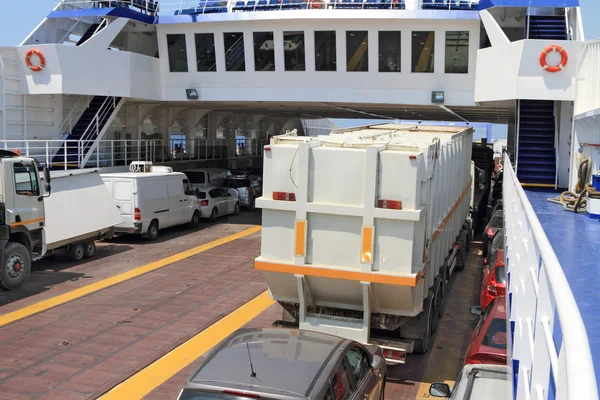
150,201
207,177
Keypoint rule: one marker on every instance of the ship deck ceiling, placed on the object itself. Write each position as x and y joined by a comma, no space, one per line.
496,115
63,340
574,238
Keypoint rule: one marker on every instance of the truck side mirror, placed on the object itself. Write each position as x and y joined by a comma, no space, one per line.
47,177
439,389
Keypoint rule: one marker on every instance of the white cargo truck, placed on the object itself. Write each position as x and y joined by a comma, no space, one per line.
361,230
70,216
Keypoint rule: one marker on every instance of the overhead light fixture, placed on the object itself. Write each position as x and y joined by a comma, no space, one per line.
191,94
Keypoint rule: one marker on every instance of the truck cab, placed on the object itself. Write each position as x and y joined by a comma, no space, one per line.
22,217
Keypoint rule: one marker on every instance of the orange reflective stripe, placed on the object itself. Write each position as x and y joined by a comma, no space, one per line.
367,245
445,221
31,221
345,275
300,238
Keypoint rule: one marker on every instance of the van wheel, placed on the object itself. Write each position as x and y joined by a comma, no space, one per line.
214,215
76,252
90,249
16,266
236,210
195,220
152,232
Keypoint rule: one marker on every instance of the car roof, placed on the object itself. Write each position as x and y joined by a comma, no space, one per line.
286,361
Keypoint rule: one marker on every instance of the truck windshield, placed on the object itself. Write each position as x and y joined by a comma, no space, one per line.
196,177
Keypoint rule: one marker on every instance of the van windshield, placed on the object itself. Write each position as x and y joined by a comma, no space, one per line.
196,177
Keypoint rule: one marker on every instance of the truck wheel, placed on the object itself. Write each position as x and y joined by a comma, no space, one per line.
16,266
440,300
76,252
252,204
195,220
422,344
152,232
89,249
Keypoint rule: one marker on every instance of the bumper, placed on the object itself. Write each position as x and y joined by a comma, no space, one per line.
137,228
205,212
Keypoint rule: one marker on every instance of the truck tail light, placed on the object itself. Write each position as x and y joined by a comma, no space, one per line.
137,215
284,196
389,204
394,355
204,203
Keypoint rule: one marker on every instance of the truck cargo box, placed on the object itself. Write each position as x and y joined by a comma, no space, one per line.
79,207
363,218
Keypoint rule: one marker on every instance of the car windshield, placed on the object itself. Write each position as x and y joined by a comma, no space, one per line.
237,183
497,221
501,274
196,177
496,334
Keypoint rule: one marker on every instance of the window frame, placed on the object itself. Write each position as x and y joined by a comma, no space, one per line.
196,37
334,50
379,41
303,50
257,51
364,57
366,356
170,55
413,65
34,183
458,42
226,50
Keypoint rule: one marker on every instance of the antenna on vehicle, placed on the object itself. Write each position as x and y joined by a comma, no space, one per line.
252,373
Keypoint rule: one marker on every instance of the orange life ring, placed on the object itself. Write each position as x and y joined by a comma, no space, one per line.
41,65
554,68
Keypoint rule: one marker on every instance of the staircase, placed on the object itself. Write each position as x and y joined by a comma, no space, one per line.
547,27
88,34
81,141
536,163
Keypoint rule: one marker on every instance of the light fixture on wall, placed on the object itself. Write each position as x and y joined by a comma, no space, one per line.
191,94
437,96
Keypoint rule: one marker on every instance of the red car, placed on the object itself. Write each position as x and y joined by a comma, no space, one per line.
488,342
494,279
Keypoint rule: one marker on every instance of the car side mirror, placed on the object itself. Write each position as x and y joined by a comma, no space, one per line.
439,389
476,310
377,362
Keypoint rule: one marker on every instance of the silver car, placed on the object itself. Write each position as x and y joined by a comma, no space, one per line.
247,187
287,364
481,381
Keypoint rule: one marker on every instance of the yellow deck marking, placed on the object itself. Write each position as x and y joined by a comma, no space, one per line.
164,368
105,283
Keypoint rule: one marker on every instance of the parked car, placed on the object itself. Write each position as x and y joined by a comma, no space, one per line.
496,243
494,278
150,201
207,177
496,223
279,363
216,202
247,188
488,341
477,382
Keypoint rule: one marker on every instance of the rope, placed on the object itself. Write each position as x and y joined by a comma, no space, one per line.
577,202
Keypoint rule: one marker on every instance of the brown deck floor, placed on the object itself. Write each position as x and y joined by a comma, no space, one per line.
82,349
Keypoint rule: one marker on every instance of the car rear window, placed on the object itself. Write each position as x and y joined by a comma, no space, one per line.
238,183
500,274
496,334
201,195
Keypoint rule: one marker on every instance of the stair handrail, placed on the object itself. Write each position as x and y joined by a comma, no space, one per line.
92,133
72,118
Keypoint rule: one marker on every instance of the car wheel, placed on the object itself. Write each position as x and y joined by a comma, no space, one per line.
76,252
152,232
195,220
89,249
236,210
214,215
16,266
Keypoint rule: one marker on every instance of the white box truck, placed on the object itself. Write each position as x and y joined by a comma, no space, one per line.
149,201
75,211
362,228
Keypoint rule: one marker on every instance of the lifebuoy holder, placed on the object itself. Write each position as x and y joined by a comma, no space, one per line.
554,68
38,67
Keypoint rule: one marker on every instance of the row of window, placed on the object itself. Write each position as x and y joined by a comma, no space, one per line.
357,54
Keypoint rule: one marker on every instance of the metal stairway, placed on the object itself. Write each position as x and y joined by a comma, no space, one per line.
90,127
547,27
536,162
88,34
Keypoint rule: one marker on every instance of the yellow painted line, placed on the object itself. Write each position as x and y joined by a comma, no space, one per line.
164,368
541,185
105,283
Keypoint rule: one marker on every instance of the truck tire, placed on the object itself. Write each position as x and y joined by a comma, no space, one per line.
89,249
422,344
152,232
76,252
440,301
16,266
252,204
195,220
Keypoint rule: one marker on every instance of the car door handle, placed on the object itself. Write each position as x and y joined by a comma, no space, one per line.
186,200
181,201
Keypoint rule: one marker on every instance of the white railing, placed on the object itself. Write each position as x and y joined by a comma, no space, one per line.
73,117
538,290
66,154
149,7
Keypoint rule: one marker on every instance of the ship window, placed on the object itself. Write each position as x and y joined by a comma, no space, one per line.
457,52
325,51
177,53
293,51
422,51
389,51
205,52
357,51
264,51
234,51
